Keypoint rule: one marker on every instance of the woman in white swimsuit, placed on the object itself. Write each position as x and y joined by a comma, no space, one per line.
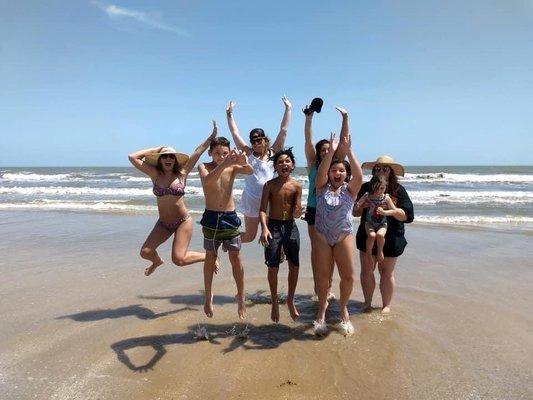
259,154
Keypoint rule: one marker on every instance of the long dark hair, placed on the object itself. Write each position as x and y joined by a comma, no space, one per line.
392,187
318,147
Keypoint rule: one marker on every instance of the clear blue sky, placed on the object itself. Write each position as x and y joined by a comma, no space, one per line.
428,82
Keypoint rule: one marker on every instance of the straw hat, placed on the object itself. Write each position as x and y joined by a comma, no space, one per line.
385,160
153,157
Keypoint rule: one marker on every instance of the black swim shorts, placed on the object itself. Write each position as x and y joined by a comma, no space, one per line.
286,234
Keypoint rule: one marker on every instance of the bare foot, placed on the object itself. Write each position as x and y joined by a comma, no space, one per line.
208,306
241,308
367,307
385,310
274,314
148,270
217,265
292,309
380,257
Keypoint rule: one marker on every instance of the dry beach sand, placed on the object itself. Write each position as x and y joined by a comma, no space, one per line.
80,321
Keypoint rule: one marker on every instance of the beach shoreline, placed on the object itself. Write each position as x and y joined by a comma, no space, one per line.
81,321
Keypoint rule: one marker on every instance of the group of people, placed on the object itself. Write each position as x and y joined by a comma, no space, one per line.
272,200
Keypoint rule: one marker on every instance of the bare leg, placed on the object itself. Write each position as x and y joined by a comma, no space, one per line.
209,269
368,282
343,253
250,229
312,238
370,239
148,249
238,275
182,238
380,242
324,255
293,281
273,283
387,282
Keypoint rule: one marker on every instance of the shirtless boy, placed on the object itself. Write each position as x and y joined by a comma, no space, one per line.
283,196
220,223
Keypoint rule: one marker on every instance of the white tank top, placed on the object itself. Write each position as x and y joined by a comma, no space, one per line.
263,172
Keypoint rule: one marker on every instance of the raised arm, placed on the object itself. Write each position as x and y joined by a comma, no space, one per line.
284,127
210,176
357,173
241,165
239,142
137,160
345,131
322,173
195,156
310,152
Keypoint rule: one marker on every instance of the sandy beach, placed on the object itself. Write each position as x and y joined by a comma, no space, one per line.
80,320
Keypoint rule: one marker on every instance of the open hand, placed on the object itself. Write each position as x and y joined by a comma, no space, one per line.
264,238
214,132
333,143
229,108
286,102
342,111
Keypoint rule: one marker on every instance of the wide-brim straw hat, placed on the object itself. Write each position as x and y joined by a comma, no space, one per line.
153,157
385,160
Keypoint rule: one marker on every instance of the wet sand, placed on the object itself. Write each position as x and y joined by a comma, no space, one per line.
80,321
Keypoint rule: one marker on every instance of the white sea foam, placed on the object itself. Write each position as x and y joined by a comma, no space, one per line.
79,206
444,177
474,219
30,176
428,197
87,191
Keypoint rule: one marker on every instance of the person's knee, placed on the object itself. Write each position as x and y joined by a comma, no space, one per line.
178,259
371,235
380,235
234,257
146,252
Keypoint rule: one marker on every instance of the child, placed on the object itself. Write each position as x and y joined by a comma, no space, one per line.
284,196
336,192
379,206
220,223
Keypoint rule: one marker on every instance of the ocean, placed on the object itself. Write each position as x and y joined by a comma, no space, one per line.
482,196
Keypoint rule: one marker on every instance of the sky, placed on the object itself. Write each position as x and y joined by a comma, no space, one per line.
84,83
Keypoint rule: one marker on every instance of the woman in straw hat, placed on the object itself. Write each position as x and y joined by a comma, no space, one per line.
168,171
394,238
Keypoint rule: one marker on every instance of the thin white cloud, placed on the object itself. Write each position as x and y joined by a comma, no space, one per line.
153,21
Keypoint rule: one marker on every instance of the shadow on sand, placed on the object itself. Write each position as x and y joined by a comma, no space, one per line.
240,335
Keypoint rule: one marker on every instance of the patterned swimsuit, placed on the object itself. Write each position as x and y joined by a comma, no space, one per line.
334,213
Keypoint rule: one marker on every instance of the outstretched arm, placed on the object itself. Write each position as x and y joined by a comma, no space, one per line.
345,131
241,165
239,142
357,173
209,176
193,159
322,173
284,127
137,160
310,152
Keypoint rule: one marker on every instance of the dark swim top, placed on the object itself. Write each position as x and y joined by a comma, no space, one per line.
176,188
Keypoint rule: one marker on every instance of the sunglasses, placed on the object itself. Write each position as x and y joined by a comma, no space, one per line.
380,168
168,156
256,140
